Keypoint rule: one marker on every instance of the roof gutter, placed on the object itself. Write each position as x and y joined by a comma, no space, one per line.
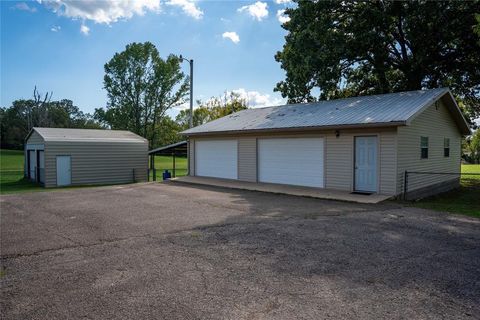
290,129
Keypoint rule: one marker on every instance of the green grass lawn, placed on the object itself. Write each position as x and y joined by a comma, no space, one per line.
11,173
464,200
471,168
166,163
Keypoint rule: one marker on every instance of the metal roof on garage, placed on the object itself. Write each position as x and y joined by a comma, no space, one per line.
93,135
392,109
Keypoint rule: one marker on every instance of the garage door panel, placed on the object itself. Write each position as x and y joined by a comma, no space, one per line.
295,161
217,158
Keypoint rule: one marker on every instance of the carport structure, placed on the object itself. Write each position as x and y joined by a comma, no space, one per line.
179,149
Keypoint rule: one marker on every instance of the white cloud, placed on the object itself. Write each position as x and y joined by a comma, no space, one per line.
258,10
25,7
180,107
255,99
84,29
102,11
188,6
283,1
55,28
232,36
282,17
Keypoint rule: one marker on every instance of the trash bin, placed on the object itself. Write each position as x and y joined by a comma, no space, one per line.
166,175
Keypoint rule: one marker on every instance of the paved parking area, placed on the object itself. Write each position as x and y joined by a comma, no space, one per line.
171,251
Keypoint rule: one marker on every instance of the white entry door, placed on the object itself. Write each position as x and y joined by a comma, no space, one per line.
366,164
64,171
295,161
216,158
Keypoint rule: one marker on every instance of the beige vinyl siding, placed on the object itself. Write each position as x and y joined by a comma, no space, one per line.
388,162
191,156
436,125
340,152
339,161
339,155
35,138
247,159
98,162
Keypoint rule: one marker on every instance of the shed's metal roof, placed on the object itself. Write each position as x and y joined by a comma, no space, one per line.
385,109
94,135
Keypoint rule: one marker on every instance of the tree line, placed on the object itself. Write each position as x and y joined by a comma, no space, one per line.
17,120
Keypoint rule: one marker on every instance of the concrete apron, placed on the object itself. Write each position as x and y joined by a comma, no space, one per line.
319,193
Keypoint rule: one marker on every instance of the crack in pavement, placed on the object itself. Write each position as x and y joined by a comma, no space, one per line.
39,252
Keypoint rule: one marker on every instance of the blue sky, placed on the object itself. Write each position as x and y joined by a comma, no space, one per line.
62,46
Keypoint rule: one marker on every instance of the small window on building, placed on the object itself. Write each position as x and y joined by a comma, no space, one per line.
446,147
424,147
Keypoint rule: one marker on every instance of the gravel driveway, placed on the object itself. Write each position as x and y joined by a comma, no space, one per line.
172,251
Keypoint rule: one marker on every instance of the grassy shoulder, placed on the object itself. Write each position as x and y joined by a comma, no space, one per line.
11,173
464,200
163,163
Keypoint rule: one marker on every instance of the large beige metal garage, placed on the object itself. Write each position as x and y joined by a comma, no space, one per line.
364,144
62,157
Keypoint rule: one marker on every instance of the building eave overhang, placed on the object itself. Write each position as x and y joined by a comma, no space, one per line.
299,129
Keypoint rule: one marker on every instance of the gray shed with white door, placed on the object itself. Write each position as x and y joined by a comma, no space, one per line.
62,157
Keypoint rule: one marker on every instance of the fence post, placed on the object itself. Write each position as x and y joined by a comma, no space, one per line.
405,185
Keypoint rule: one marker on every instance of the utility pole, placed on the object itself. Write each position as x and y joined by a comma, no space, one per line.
190,61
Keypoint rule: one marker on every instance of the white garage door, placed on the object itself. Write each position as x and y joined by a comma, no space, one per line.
216,158
295,161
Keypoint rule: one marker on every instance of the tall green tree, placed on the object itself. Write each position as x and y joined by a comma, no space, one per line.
344,48
471,147
168,132
214,108
141,87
